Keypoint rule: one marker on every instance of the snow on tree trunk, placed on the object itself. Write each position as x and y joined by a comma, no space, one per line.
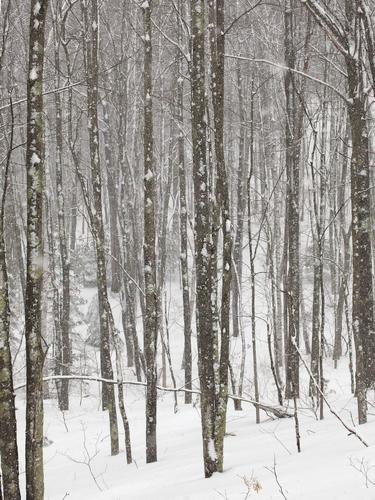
187,362
65,358
149,247
222,195
8,426
109,402
34,270
362,306
204,320
292,171
112,183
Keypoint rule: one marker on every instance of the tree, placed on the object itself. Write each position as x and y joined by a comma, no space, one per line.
292,158
96,219
217,45
149,245
34,270
64,342
187,362
8,425
202,231
348,37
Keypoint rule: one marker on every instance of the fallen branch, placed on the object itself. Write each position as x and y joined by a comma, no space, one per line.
349,429
277,411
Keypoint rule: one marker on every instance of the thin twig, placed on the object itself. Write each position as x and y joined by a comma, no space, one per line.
273,470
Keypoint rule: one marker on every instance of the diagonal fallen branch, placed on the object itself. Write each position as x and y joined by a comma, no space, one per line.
349,429
277,411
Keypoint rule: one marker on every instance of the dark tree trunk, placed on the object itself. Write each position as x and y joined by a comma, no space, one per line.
64,368
238,241
187,362
362,309
112,183
344,260
206,340
222,190
34,270
292,169
96,220
8,425
149,248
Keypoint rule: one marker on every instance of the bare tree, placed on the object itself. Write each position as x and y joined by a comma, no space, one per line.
8,425
64,342
96,219
348,36
34,272
149,246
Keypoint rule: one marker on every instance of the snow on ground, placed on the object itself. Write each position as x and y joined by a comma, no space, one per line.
78,465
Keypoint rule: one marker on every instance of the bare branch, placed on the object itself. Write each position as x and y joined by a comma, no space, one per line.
296,71
277,411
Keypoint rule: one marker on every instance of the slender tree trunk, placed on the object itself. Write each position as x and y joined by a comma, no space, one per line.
206,340
184,238
252,258
222,190
293,135
34,272
73,218
63,244
344,260
112,183
8,425
127,335
108,395
237,248
149,248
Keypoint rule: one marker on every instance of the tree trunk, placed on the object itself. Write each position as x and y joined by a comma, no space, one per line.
222,190
108,395
65,360
362,309
149,248
34,272
112,183
238,241
293,135
8,424
206,340
184,237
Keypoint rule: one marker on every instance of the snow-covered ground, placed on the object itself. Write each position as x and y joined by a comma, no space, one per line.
78,464
261,461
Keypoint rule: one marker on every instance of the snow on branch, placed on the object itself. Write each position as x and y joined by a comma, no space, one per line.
329,23
277,411
296,71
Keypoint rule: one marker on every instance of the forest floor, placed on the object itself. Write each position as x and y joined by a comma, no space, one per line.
78,465
261,461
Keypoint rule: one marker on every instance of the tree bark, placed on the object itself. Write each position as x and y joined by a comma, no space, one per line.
187,362
34,270
149,248
205,333
222,190
112,183
108,395
8,424
65,360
